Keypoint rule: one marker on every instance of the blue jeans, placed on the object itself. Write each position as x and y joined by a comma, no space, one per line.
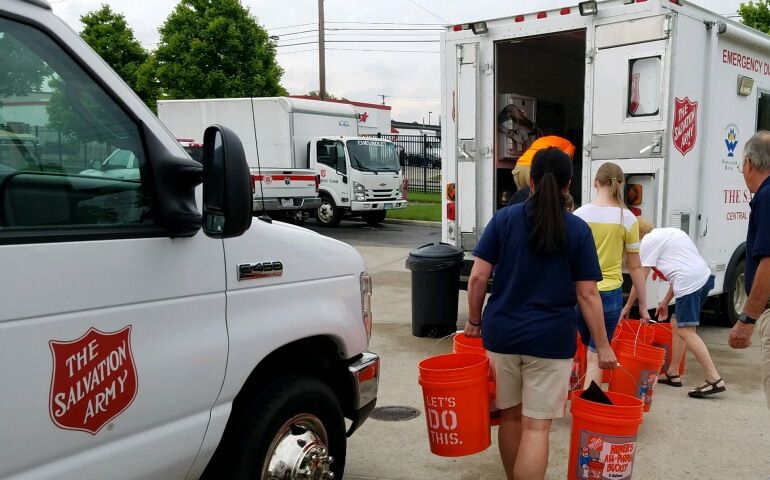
612,305
687,307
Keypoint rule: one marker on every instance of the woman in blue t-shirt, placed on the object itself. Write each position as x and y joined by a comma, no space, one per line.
545,262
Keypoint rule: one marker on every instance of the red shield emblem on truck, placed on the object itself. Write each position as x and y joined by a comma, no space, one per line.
93,379
685,128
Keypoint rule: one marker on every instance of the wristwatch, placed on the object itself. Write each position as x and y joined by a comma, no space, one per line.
743,318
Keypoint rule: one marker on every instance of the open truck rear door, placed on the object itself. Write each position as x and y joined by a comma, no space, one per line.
467,142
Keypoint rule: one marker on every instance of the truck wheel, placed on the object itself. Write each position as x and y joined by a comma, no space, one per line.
295,429
374,218
328,215
735,297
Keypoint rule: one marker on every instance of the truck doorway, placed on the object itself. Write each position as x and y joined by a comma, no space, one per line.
540,90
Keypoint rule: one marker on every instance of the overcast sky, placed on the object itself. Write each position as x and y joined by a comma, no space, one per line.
411,80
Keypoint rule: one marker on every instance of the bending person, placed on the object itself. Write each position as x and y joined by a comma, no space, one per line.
674,257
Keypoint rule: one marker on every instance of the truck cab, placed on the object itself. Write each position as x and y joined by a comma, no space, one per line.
152,327
360,176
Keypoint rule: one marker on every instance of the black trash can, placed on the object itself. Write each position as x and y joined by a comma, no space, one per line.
435,288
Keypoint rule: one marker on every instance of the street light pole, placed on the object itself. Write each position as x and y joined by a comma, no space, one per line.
321,52
429,117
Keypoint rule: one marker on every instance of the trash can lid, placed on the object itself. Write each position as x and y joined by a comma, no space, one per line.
437,251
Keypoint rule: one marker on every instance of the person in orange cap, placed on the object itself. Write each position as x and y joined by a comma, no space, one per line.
523,164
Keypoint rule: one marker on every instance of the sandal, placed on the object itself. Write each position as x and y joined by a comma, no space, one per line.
708,388
672,380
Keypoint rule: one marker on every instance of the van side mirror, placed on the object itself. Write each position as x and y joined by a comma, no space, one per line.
227,194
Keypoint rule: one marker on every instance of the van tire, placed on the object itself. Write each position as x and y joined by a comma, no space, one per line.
328,214
374,218
735,292
291,407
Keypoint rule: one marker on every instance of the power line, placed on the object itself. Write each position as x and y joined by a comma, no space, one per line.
360,41
362,50
393,23
446,22
361,35
290,26
297,33
386,29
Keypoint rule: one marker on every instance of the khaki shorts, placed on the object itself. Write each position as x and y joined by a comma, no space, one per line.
540,385
521,176
763,323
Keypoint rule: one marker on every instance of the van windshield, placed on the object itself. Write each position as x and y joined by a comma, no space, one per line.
373,156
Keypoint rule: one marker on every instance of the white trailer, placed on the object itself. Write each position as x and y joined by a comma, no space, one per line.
359,176
666,89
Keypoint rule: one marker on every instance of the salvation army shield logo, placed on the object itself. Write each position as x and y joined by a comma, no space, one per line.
685,129
93,379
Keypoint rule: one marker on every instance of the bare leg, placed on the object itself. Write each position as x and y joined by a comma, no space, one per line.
532,460
678,349
699,350
509,438
593,372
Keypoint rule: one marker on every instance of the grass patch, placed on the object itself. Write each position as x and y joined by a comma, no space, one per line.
418,211
419,197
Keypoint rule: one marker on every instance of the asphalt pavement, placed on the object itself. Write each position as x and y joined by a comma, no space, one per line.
726,436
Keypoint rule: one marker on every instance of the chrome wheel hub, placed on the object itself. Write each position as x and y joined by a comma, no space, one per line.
739,293
325,212
299,451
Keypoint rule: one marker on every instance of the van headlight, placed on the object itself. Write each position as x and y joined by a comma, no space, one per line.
359,192
366,302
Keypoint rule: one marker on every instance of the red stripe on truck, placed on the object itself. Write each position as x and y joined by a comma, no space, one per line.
278,178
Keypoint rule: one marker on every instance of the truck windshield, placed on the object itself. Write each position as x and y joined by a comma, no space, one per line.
373,156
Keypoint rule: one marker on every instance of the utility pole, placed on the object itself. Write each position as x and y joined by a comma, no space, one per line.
383,98
321,52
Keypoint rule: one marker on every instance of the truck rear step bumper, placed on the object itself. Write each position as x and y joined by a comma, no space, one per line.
286,204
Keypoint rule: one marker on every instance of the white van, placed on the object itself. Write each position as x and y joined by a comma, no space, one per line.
151,328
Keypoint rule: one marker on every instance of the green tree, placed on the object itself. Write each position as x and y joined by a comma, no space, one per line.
110,36
756,15
213,49
22,71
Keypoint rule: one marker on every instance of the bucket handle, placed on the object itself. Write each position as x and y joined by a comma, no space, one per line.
580,380
433,347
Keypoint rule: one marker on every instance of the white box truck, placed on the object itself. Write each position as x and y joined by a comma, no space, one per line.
666,89
358,176
151,327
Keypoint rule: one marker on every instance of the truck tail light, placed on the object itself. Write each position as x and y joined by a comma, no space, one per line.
317,183
450,211
255,179
366,302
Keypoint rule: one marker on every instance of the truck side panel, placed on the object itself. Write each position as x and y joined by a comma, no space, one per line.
308,125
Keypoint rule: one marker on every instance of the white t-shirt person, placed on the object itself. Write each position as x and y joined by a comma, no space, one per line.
671,252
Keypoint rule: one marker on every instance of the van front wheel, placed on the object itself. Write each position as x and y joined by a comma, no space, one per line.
294,429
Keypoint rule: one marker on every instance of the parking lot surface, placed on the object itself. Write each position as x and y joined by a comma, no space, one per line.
727,436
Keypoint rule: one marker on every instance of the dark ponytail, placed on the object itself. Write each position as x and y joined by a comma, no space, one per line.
551,172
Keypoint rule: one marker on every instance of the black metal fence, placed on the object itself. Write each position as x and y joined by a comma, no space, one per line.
420,159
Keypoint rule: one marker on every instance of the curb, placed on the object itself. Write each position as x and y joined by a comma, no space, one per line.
421,223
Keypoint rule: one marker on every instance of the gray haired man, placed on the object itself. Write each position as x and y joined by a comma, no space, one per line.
756,173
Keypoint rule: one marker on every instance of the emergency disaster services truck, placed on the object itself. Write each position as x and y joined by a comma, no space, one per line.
359,176
151,327
665,89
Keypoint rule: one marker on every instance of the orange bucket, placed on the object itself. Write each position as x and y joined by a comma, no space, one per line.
464,344
663,339
633,331
455,389
578,368
603,440
642,366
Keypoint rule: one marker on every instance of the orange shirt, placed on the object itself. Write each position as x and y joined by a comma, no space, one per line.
541,143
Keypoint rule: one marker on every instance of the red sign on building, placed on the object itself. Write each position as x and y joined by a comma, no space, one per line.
93,379
685,128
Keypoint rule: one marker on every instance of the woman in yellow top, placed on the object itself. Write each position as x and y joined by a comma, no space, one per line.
616,231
